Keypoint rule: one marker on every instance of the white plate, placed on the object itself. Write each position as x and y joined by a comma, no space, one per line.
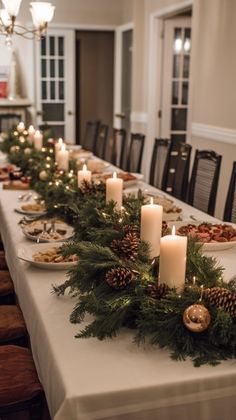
30,213
209,246
73,147
26,254
69,232
139,177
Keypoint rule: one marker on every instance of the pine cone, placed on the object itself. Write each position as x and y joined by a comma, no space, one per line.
86,187
126,247
119,278
132,229
222,298
157,291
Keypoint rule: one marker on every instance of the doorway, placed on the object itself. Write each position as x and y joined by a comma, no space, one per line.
94,79
174,111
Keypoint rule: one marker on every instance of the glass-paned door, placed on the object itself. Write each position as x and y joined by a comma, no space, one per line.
174,122
176,75
56,84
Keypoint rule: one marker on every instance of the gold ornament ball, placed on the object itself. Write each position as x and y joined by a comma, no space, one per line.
196,318
43,175
27,151
13,149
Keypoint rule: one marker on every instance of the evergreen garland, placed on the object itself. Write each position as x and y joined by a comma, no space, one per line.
120,291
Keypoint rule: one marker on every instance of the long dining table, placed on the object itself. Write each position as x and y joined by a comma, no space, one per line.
88,379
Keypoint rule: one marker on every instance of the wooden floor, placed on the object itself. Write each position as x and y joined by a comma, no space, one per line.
25,415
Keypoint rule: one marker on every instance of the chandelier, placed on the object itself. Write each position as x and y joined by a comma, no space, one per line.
41,12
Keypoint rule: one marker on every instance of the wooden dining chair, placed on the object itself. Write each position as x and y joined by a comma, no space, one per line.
135,153
180,183
204,180
160,163
90,136
118,147
101,141
12,326
7,292
20,389
230,204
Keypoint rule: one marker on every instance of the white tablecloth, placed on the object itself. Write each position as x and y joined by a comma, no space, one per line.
111,379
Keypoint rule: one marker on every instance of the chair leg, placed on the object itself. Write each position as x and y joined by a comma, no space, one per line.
36,409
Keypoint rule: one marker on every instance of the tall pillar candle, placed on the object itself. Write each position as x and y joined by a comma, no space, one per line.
38,140
114,190
173,260
31,133
63,158
84,175
58,146
151,226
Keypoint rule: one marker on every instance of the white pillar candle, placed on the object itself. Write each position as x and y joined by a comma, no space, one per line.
114,190
20,127
84,175
38,140
31,133
58,146
173,260
151,226
63,158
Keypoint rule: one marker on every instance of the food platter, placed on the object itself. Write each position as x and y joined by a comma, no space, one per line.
47,231
129,178
31,209
214,236
37,255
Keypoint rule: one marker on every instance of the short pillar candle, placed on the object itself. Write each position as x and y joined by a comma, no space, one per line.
173,253
58,146
38,140
84,175
114,190
31,133
63,158
151,226
20,127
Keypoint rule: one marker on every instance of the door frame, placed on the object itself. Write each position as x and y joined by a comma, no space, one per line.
61,27
155,55
118,71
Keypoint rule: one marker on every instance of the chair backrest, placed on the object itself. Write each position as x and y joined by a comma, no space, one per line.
180,184
204,180
9,121
159,163
135,153
90,136
230,204
101,141
118,147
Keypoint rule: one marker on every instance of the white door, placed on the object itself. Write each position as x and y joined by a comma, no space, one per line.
56,83
174,113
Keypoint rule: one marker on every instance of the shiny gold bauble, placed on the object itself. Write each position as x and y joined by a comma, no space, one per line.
27,151
196,318
43,175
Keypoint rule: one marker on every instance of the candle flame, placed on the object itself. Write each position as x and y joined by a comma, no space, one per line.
114,175
37,132
84,167
60,140
151,200
173,230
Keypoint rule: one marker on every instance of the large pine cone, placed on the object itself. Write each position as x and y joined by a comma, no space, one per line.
119,278
132,229
127,247
222,298
158,291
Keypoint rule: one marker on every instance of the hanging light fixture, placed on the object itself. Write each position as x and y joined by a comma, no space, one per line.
42,14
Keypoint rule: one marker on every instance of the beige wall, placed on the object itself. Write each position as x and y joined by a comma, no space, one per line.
214,95
91,12
214,81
